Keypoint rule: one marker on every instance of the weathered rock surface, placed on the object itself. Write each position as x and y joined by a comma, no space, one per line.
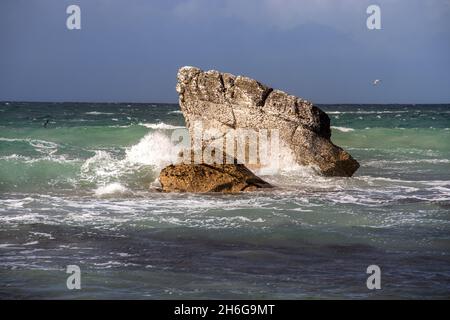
223,101
228,178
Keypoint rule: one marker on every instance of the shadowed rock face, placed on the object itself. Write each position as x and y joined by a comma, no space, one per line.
223,101
228,178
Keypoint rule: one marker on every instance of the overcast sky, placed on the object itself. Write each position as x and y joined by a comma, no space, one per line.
130,50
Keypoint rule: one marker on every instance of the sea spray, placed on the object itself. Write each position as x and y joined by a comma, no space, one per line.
137,168
154,149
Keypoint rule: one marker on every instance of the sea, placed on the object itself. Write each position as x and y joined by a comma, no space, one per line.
79,187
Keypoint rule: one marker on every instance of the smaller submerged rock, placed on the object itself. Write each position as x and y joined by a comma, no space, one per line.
229,178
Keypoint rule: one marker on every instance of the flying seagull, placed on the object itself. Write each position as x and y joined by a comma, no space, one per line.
376,82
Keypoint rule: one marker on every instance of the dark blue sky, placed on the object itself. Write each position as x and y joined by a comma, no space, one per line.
130,50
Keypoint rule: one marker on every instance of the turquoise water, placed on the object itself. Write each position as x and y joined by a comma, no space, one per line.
81,191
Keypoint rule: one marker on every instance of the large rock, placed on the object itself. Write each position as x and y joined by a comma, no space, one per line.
223,101
188,177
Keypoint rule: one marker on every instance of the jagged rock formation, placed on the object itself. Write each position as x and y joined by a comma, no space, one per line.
223,101
230,178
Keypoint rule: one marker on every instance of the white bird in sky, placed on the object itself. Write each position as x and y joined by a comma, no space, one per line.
376,82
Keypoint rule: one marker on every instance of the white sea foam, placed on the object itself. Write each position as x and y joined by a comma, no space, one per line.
98,113
101,165
43,235
367,112
121,126
16,157
15,203
160,126
382,163
62,159
343,129
42,146
112,188
6,245
31,243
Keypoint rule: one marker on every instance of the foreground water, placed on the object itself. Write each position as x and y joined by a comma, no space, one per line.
76,193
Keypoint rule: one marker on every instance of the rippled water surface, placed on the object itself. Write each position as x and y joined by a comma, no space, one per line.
77,192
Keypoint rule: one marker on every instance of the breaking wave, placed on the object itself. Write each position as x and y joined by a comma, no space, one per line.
140,164
111,189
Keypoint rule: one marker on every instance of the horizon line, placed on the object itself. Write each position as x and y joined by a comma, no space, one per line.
177,103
